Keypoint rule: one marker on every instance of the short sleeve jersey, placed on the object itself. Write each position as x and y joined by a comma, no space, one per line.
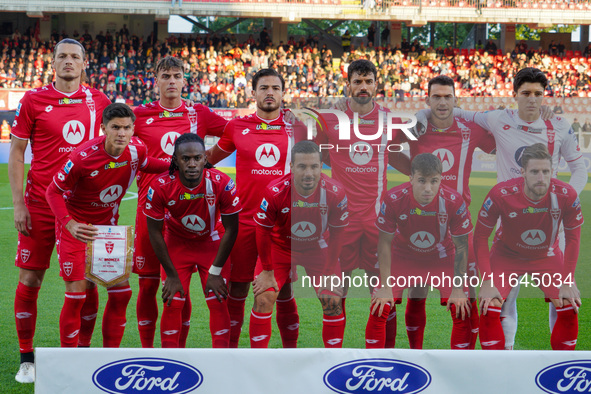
361,165
159,127
455,147
513,135
529,229
192,213
95,182
56,123
263,154
424,231
300,223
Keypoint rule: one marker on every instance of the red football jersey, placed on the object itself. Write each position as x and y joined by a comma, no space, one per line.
55,123
95,182
424,231
159,127
192,213
529,229
263,154
361,165
300,223
455,147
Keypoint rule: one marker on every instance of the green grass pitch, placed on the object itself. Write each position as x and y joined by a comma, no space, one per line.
533,332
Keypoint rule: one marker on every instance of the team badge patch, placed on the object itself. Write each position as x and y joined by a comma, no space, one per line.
555,213
442,218
140,261
25,254
68,266
210,198
323,209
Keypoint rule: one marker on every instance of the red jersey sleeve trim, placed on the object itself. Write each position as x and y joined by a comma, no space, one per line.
459,235
344,225
573,228
230,213
56,185
151,217
17,137
569,161
218,145
387,232
263,225
485,225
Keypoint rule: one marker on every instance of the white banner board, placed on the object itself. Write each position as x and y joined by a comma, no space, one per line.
310,371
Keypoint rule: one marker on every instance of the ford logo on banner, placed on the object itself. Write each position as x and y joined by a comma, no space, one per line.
566,377
377,375
147,375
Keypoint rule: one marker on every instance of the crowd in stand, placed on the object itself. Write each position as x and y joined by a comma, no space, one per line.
219,69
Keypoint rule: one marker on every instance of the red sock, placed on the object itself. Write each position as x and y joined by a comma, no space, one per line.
236,310
219,322
88,317
416,320
391,330
460,332
147,309
70,318
375,331
186,321
474,324
260,329
492,336
114,318
333,330
565,332
25,315
288,321
171,322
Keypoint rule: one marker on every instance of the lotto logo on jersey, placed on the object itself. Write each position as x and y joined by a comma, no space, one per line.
111,193
68,166
193,222
446,158
533,237
361,153
267,155
303,229
73,132
167,142
422,239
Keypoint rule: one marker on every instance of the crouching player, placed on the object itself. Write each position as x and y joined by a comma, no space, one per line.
191,200
89,189
295,216
531,209
424,229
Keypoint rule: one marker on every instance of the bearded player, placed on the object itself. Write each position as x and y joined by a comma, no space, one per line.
263,143
300,221
191,199
89,189
158,124
56,118
531,210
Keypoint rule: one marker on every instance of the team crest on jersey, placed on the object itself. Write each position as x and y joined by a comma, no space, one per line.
323,209
67,100
189,196
555,212
68,266
466,134
109,245
111,165
168,114
289,130
150,195
192,117
25,254
210,198
551,136
90,105
68,166
442,218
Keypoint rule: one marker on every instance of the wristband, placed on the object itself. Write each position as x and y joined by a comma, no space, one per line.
213,270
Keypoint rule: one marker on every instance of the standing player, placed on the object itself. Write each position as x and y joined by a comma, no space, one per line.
531,209
89,189
295,216
453,141
424,229
361,165
514,130
262,142
158,125
191,199
56,119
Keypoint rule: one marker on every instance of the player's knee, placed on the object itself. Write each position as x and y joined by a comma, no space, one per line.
31,278
263,303
239,289
331,304
418,292
496,303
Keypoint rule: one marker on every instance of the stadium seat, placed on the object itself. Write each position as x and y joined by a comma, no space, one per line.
578,53
569,54
464,52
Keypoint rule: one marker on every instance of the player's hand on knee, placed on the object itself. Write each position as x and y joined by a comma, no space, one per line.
489,295
216,285
460,300
264,281
380,298
82,232
568,295
171,286
22,219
